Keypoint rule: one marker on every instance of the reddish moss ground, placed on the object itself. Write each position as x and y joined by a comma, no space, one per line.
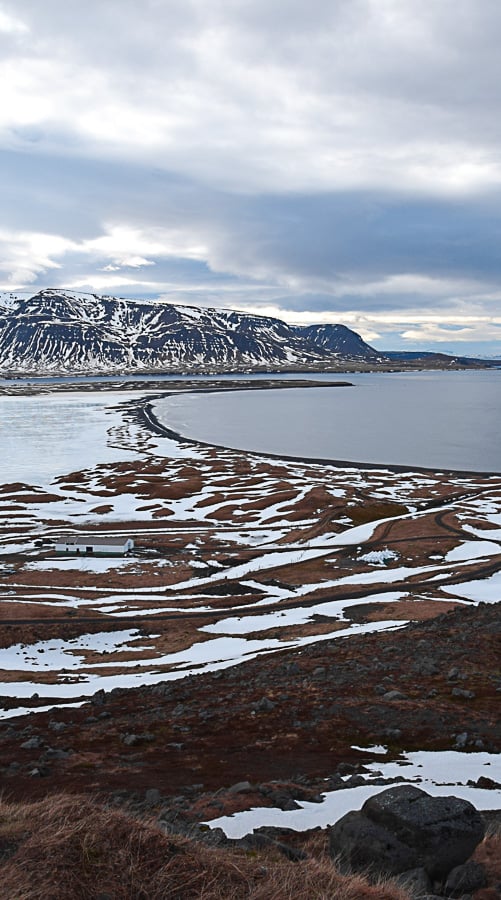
209,729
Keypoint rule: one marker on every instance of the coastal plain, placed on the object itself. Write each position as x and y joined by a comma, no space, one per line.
277,618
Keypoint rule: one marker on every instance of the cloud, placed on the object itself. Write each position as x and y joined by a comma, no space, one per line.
11,24
337,159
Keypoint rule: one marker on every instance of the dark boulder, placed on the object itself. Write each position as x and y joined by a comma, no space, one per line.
404,828
465,879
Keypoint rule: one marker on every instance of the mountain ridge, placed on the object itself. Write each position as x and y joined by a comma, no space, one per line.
58,331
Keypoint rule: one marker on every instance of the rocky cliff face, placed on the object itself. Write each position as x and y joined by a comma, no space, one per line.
56,331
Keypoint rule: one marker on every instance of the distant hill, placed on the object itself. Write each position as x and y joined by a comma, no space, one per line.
441,360
339,339
64,332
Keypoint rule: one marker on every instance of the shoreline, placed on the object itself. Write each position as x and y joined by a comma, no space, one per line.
148,417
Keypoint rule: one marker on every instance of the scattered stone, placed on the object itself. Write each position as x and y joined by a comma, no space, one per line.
55,754
33,743
346,768
131,739
98,699
465,879
425,667
57,726
416,881
241,787
258,841
465,695
488,784
264,705
355,781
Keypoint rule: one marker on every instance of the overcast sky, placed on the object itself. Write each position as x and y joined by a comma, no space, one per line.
329,160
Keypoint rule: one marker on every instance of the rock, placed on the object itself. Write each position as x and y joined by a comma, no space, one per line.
487,784
394,695
393,734
416,881
425,667
264,705
57,726
52,753
131,739
404,828
39,772
461,740
98,698
346,768
355,781
152,796
464,695
258,841
465,879
33,743
241,787
213,837
362,844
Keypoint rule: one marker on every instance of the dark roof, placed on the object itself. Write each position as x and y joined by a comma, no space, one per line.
88,541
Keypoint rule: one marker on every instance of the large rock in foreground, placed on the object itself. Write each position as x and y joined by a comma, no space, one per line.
404,828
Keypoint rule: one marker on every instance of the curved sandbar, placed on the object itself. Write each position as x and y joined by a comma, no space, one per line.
149,418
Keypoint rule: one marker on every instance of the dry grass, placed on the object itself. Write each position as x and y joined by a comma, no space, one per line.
71,848
488,853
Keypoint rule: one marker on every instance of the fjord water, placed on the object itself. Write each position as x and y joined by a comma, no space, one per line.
439,420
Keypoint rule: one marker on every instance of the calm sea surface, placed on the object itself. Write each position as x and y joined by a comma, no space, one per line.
449,420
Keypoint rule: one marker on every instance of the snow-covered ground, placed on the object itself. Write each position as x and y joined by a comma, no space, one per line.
443,773
85,678
125,475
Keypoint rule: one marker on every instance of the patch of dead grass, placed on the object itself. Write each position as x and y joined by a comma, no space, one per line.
72,848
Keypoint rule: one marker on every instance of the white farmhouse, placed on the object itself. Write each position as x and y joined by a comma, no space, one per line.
96,546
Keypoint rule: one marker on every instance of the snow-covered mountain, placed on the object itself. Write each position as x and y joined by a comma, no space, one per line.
339,339
56,331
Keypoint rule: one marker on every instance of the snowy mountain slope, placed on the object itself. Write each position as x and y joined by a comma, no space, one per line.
61,331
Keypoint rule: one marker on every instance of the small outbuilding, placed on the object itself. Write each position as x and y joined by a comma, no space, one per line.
94,546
